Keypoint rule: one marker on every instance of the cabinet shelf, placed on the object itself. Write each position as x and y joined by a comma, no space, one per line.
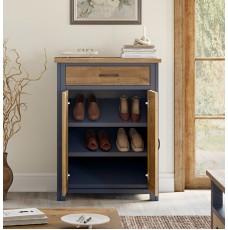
109,115
77,146
107,154
107,173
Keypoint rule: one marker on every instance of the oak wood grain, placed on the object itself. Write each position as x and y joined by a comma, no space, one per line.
152,135
64,142
107,75
54,219
105,60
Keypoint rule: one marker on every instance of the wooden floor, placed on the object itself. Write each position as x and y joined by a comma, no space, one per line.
190,202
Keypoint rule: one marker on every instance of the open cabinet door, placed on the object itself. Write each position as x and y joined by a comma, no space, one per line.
64,142
152,141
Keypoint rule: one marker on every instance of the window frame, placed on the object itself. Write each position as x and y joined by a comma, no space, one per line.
184,96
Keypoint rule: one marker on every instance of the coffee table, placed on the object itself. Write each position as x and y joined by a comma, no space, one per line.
54,219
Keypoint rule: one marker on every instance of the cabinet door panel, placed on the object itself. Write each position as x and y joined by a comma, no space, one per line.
152,135
64,142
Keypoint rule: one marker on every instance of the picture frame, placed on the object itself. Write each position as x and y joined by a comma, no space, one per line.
105,12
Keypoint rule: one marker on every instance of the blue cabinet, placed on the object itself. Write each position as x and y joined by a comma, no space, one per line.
82,171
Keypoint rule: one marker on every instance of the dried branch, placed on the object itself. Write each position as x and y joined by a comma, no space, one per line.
15,80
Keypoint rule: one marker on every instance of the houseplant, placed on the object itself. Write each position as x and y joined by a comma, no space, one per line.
15,80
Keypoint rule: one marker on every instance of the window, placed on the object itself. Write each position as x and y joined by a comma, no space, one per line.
199,90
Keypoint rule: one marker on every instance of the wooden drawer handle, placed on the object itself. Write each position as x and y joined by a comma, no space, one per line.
108,75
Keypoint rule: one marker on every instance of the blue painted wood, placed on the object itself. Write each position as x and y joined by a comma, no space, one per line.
77,147
109,115
59,132
107,173
113,172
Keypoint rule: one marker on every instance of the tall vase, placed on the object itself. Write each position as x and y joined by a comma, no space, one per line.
7,176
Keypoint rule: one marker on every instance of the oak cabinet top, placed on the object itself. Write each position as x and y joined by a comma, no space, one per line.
105,60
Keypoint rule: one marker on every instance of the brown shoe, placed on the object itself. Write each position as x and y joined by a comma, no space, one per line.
122,142
91,141
93,108
78,111
124,108
137,143
135,109
104,142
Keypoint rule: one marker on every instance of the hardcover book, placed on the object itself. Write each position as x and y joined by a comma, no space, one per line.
41,220
22,214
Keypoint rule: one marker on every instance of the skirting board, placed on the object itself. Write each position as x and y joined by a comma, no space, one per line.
47,182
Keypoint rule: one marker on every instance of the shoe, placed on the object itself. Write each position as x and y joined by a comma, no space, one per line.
122,142
123,108
104,142
135,109
78,111
91,141
137,143
93,108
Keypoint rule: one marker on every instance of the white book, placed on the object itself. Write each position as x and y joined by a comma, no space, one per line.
42,220
138,46
139,55
22,214
139,50
151,52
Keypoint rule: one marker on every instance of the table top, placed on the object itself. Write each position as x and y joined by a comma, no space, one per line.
105,60
54,218
218,177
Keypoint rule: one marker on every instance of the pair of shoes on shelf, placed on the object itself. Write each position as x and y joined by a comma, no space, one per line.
92,143
124,110
79,108
122,142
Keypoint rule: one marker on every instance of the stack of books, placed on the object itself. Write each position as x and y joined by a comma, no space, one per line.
25,216
138,51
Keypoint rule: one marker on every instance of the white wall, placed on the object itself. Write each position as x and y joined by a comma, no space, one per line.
31,26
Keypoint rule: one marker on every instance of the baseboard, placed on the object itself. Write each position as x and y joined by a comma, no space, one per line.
47,182
34,182
166,182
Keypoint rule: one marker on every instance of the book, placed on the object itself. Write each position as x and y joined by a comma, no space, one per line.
22,214
139,50
138,46
41,220
138,55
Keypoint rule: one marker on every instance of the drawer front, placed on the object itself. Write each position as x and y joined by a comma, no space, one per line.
107,75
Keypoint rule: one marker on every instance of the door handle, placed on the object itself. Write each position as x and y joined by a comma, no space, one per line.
108,75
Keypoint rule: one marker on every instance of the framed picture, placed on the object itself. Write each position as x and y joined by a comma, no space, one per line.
103,12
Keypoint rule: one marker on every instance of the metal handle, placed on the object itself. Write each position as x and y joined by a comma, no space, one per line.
158,143
108,75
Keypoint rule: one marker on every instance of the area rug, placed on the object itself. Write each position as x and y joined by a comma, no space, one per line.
166,222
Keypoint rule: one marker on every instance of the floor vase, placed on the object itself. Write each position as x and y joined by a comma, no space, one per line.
7,176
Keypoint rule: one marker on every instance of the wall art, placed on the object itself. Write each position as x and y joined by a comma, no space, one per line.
101,12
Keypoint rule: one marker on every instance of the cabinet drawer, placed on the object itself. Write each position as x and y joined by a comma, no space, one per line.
107,75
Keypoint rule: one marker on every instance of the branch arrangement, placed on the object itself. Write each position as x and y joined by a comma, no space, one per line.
15,79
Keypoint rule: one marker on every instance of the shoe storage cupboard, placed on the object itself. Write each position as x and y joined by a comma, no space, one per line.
82,171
